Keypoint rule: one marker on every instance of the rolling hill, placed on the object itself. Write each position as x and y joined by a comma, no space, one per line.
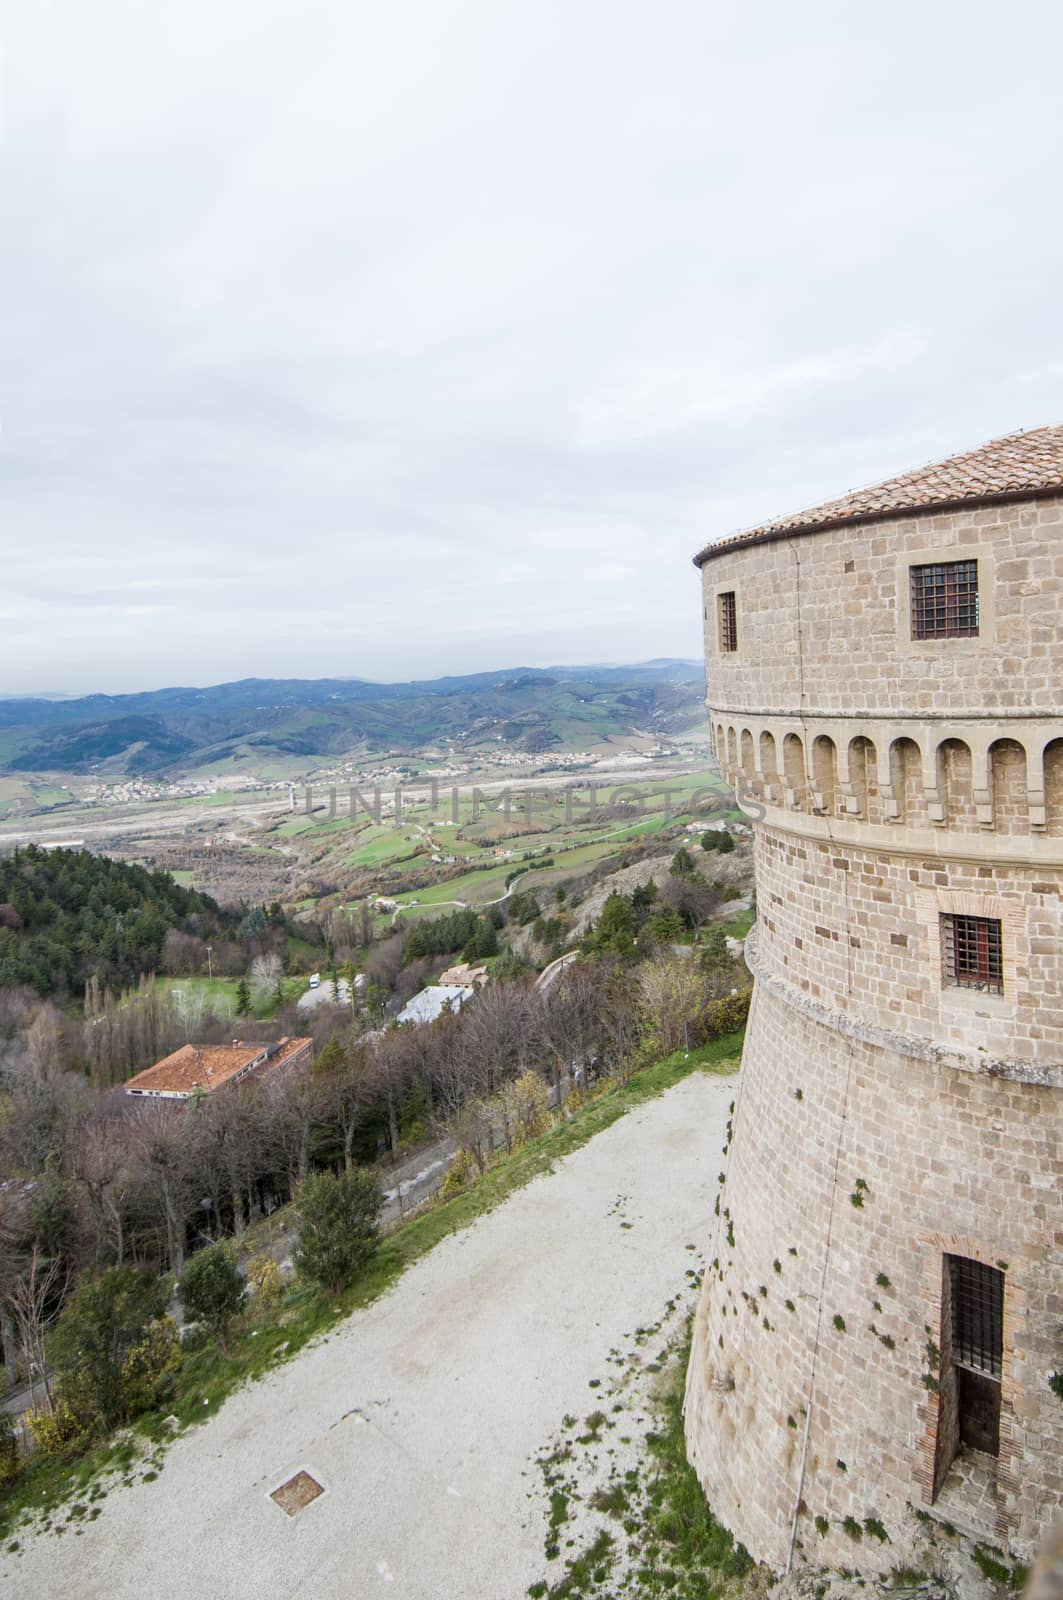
165,732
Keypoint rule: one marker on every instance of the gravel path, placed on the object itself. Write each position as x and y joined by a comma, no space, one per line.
422,1414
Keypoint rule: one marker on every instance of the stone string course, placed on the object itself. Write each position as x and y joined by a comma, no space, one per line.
884,1118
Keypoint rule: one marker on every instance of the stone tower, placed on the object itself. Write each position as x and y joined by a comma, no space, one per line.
880,1329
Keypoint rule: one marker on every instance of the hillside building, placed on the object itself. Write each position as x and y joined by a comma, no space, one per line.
430,1003
880,1329
197,1069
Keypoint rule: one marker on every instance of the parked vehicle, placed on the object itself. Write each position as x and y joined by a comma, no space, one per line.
315,980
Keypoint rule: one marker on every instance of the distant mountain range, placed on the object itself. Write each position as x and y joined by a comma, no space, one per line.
163,732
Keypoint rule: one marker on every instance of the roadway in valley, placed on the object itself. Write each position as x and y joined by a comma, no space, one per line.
422,1414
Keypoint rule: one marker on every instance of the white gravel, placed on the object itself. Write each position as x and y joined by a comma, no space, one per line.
422,1414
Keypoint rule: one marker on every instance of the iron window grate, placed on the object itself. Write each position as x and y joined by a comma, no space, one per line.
945,600
977,1315
972,955
727,611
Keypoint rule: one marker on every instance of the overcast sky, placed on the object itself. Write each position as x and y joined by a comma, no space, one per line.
415,337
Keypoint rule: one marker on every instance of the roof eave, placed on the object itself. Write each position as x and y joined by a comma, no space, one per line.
854,519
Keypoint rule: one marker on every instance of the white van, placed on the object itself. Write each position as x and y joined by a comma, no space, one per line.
315,980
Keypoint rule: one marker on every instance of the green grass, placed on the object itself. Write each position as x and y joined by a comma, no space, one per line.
473,887
675,1544
219,994
379,845
680,1524
207,1377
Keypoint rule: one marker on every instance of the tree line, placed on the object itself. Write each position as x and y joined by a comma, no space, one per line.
68,914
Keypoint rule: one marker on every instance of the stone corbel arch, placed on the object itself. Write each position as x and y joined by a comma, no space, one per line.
982,775
771,775
1035,780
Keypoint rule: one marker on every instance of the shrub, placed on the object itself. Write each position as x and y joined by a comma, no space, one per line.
532,1102
460,1174
726,1015
148,1369
100,1327
265,1283
8,1449
337,1226
212,1289
60,1429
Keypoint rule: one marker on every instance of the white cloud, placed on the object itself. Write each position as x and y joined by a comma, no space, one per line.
424,336
653,399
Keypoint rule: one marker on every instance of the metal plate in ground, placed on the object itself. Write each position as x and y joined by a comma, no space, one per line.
297,1493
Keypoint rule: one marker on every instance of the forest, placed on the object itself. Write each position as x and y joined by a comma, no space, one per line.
68,915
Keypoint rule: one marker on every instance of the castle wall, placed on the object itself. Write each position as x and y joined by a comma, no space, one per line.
887,1117
951,1162
858,929
823,619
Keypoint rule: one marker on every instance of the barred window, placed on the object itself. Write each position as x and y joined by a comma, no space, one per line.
972,953
945,600
727,613
977,1293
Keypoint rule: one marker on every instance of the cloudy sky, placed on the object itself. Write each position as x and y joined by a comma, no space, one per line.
428,336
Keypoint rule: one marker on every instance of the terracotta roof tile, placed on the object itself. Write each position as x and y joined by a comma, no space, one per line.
286,1051
208,1066
1014,467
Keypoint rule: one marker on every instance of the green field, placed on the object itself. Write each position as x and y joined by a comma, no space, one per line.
472,887
377,845
572,843
219,994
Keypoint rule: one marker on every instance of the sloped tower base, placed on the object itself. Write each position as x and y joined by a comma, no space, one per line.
816,1372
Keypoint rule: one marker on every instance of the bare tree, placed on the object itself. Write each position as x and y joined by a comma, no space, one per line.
471,1127
385,964
31,1297
496,1039
245,1146
44,1042
568,1015
164,1176
690,896
191,1006
294,1114
98,1161
388,1069
183,954
265,971
143,1024
347,1091
673,992
618,1019
39,1114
